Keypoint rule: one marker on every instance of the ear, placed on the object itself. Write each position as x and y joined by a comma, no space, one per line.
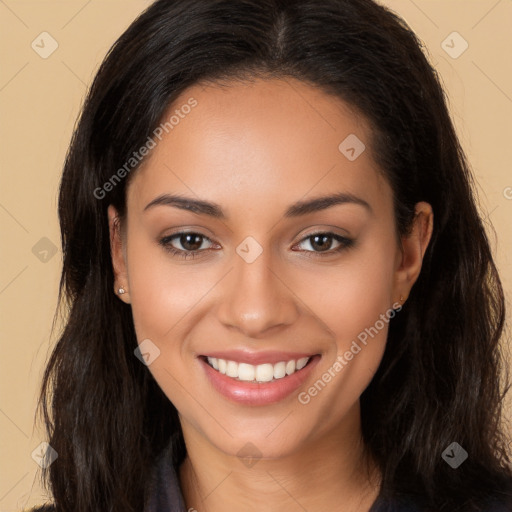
414,245
118,254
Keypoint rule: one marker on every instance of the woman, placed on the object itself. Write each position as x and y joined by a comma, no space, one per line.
281,294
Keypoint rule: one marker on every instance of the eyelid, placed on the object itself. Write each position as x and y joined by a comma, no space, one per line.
343,241
167,238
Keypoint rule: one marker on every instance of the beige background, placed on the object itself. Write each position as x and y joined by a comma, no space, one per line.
40,99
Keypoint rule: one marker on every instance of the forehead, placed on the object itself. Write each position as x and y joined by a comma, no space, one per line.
273,140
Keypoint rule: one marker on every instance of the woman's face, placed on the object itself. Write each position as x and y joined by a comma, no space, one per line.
262,289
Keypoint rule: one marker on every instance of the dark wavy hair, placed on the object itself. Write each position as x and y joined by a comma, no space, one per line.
439,379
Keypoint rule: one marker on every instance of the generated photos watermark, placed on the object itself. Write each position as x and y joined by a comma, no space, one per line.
304,397
145,149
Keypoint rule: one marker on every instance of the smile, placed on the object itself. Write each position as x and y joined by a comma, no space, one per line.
273,376
265,372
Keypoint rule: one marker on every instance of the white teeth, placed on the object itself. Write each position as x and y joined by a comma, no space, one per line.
301,363
246,371
260,373
232,369
279,370
264,372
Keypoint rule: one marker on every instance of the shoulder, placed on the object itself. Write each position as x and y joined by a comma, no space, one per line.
42,508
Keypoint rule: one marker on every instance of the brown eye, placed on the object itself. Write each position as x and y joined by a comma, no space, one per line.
321,243
190,243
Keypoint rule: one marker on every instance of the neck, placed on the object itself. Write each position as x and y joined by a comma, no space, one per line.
329,472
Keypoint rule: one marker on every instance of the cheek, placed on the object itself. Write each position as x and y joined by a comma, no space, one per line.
164,297
350,296
354,301
161,291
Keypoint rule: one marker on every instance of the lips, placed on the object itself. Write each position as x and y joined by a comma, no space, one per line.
263,387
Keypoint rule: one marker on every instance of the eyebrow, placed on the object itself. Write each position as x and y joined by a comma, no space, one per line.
295,210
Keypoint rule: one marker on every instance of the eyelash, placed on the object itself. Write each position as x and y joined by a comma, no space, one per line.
345,243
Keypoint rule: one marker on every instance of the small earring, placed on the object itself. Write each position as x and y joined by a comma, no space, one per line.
400,302
121,291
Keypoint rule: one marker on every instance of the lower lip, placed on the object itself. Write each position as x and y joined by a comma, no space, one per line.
258,393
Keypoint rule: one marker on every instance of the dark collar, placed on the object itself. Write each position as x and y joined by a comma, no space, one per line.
164,492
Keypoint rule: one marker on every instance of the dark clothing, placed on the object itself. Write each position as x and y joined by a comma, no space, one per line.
164,495
164,488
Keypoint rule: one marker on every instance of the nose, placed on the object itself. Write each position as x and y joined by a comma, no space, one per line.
256,299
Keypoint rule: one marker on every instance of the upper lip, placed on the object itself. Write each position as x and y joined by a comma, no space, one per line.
255,358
